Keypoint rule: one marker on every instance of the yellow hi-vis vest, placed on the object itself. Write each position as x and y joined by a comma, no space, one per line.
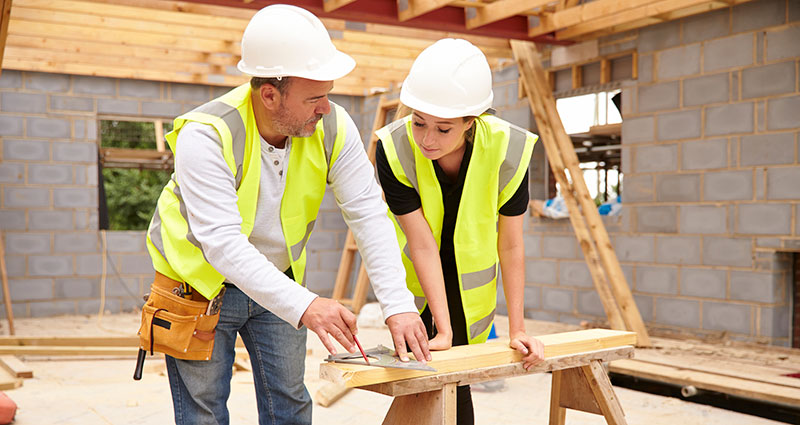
173,248
500,156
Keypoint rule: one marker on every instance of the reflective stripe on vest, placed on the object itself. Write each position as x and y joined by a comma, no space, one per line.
500,157
173,248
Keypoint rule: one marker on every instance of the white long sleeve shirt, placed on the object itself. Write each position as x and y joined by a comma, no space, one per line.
256,264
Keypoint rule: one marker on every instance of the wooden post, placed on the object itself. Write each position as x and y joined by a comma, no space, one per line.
429,408
350,248
159,129
5,16
544,109
6,291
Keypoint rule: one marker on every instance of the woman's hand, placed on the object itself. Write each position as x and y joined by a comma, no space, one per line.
531,348
442,341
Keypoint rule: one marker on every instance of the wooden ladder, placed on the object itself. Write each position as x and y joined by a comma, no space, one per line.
350,249
620,308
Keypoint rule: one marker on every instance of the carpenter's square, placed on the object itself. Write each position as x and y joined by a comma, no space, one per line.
379,356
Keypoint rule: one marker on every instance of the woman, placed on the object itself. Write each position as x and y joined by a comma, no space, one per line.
455,178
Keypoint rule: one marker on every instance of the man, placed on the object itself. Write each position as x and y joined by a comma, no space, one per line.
251,169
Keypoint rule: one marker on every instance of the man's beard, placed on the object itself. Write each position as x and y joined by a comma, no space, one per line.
284,124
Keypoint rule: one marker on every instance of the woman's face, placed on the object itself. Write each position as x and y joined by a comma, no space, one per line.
438,137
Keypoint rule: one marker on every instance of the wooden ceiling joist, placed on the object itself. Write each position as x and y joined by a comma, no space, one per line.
643,12
409,9
568,17
501,9
331,5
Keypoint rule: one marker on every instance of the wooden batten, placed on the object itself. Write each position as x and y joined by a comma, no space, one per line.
502,9
5,16
469,357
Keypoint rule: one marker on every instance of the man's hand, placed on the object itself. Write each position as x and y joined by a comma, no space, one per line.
407,328
531,348
326,317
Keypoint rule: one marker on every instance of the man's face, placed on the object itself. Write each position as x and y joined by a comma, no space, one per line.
303,103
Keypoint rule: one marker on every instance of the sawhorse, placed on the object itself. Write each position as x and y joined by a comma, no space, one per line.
579,383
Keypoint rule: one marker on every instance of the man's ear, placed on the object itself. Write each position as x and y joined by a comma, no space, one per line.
270,97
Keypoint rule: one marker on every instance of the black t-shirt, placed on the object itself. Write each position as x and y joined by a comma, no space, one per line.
403,200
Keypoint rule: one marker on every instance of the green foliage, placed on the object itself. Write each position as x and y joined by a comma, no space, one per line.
131,194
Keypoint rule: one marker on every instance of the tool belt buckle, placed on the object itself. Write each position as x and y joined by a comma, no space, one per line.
215,304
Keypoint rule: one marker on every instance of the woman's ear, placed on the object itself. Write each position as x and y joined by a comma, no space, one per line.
470,123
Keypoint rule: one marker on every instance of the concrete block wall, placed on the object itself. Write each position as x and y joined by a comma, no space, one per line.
49,197
711,200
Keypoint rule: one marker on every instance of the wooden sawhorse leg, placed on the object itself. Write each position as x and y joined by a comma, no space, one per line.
585,388
436,407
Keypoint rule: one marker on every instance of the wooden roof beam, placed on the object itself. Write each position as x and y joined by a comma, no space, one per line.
502,9
5,16
650,10
409,9
583,13
331,5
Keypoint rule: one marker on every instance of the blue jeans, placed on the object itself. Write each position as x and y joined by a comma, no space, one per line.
200,389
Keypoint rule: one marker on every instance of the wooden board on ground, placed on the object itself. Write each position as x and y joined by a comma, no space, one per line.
469,357
708,381
77,341
741,369
16,367
329,393
8,381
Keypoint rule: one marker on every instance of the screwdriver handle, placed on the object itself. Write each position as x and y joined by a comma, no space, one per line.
137,373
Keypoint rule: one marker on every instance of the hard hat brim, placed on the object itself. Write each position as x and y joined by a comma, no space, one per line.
340,65
439,111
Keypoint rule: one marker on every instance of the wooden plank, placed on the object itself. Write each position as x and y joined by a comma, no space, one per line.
586,242
16,367
641,12
5,16
8,381
329,393
604,394
77,341
157,11
575,392
43,350
708,381
331,5
133,23
605,71
558,414
528,60
414,8
668,16
166,65
4,272
428,408
466,358
583,13
491,373
71,341
736,369
501,9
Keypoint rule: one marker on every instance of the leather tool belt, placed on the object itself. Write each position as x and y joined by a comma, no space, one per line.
178,321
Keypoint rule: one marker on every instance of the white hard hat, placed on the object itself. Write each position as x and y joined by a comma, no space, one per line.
450,78
283,40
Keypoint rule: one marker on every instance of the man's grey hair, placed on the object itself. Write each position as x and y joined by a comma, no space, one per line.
281,84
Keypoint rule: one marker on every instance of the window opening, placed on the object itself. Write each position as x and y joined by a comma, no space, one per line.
134,165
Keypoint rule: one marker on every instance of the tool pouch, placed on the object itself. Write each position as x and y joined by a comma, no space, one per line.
180,327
